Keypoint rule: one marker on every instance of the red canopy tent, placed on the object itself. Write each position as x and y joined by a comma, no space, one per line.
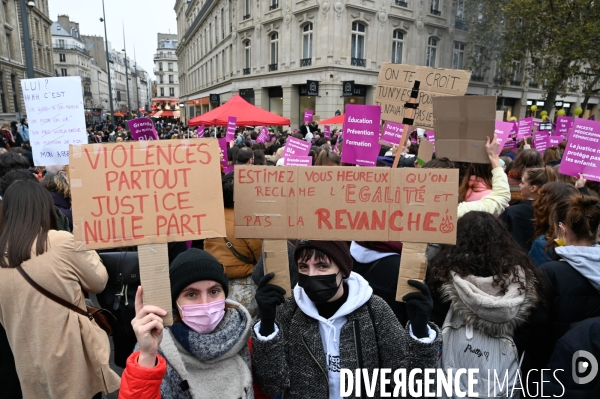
336,120
246,113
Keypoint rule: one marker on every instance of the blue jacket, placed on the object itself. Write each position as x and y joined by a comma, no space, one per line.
24,130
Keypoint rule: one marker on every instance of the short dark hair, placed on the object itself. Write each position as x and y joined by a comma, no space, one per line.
13,176
244,155
12,160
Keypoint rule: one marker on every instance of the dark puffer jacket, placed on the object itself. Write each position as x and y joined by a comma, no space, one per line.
293,363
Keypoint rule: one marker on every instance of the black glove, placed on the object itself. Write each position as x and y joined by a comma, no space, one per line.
268,297
419,306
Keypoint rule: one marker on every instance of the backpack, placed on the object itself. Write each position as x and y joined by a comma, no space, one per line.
466,347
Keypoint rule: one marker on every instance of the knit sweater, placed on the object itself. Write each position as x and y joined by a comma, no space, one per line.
294,363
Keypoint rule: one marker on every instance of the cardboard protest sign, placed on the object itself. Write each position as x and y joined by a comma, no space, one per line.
346,203
462,125
263,137
392,134
142,129
327,131
412,267
308,115
502,132
56,118
425,152
231,126
154,277
563,125
296,147
395,83
140,192
525,126
582,154
361,134
499,115
275,260
294,160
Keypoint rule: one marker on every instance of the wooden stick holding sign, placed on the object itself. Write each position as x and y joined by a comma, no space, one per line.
275,260
413,266
154,277
408,121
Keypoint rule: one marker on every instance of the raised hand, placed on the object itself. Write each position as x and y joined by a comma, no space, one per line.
268,297
148,328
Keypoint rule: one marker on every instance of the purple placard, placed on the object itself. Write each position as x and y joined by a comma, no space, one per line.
554,141
536,123
296,148
361,134
200,132
510,144
223,145
563,125
231,125
327,132
308,115
580,154
539,140
263,137
392,133
297,161
430,136
524,130
142,129
502,132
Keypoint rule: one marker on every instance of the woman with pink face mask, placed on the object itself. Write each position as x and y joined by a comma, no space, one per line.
204,354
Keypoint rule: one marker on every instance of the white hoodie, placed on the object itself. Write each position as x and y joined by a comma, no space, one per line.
359,293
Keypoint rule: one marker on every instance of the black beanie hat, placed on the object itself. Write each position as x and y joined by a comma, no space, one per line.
195,265
337,251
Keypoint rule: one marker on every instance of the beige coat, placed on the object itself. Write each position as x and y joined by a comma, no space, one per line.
58,353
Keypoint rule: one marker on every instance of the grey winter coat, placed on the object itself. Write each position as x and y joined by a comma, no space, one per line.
293,363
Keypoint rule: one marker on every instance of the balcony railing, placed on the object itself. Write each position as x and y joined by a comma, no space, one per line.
499,81
435,12
361,62
168,56
70,47
515,83
158,71
305,62
245,17
401,3
246,71
87,94
272,67
534,85
477,78
460,23
86,80
274,6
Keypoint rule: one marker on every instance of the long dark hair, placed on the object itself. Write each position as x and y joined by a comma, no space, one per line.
27,214
484,248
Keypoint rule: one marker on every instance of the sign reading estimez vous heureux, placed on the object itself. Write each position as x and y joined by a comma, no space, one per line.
145,192
55,116
346,203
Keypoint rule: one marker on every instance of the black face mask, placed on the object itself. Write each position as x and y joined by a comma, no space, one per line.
319,289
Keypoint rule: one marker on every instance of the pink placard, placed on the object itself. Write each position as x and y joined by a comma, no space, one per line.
231,126
539,140
223,146
581,152
296,148
563,125
430,136
297,161
327,131
361,134
392,133
263,137
525,126
308,115
554,141
200,132
502,132
142,129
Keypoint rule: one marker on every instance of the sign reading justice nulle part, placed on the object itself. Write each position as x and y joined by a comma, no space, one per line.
346,203
395,83
145,192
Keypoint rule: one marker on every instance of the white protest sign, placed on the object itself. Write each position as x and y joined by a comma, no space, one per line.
55,113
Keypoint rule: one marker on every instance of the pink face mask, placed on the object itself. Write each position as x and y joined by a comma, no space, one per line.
203,318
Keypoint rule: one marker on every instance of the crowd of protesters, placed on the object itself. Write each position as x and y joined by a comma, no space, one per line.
518,293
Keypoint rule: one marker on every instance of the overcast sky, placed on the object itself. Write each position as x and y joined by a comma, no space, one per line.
142,21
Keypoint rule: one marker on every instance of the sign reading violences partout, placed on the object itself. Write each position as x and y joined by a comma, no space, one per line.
141,192
396,81
346,203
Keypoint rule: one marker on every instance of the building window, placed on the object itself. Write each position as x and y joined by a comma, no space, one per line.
62,57
458,57
274,5
160,78
14,90
248,54
397,45
162,91
160,68
435,7
516,74
61,43
248,8
171,79
274,48
170,65
2,97
460,22
9,46
307,41
358,44
478,61
431,52
172,91
63,72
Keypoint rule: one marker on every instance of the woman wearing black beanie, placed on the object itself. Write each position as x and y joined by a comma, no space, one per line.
205,347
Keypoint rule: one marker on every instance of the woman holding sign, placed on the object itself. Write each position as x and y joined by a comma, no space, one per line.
334,322
204,354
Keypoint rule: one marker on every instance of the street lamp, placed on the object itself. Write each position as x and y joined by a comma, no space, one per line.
27,38
112,108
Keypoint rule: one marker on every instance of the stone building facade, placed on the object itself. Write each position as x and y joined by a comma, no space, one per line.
267,50
12,53
166,67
